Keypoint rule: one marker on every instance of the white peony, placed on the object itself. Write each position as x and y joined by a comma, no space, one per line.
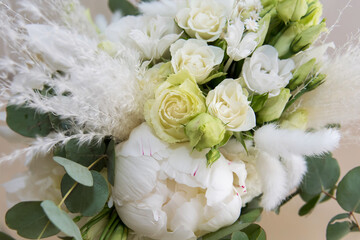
228,103
240,45
196,57
151,36
203,19
265,72
166,191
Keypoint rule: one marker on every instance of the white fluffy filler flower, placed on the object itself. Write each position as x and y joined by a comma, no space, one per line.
240,45
203,19
265,72
280,162
228,103
150,35
196,57
166,191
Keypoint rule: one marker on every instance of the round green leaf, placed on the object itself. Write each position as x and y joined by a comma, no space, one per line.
61,220
255,232
124,6
337,230
348,191
251,216
88,201
4,236
239,236
86,153
27,122
309,206
76,171
29,219
323,173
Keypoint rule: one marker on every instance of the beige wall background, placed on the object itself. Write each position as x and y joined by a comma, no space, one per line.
287,225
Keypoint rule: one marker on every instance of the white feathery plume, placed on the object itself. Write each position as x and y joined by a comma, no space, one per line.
337,100
101,94
288,142
274,179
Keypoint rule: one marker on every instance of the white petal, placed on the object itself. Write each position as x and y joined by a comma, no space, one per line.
142,142
135,177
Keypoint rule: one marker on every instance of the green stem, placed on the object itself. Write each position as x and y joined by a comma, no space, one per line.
106,230
112,228
328,194
356,221
228,63
43,231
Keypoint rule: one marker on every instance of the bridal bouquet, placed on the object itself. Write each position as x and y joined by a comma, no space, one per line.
178,120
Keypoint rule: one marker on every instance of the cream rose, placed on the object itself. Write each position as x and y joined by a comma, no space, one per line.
177,101
196,57
203,19
265,72
228,103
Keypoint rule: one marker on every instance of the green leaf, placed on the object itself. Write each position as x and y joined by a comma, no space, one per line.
61,220
124,6
323,173
244,221
309,206
251,216
337,230
88,201
27,122
76,171
110,152
29,219
86,153
348,191
4,236
239,136
239,236
255,232
258,101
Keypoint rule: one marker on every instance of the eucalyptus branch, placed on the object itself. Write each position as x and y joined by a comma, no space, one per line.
68,193
356,221
328,194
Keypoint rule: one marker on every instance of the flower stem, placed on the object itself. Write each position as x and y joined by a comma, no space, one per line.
43,231
356,221
328,194
228,63
96,161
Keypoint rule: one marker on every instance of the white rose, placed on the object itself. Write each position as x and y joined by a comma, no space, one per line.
228,103
166,191
264,72
240,45
203,19
196,57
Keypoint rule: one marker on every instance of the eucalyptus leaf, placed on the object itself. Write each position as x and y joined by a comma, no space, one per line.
251,216
124,6
29,219
4,236
255,232
61,220
348,191
88,201
86,153
27,122
336,230
76,171
110,152
309,206
239,236
323,173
